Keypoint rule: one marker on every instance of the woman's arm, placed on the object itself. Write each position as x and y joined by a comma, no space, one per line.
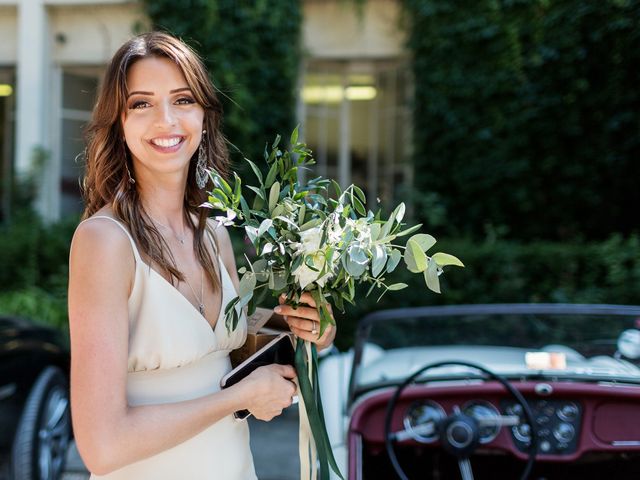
107,429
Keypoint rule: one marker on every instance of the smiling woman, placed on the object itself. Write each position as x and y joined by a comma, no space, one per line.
150,277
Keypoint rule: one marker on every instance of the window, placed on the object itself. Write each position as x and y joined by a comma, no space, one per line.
357,122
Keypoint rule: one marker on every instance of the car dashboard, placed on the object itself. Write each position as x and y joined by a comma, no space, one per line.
580,427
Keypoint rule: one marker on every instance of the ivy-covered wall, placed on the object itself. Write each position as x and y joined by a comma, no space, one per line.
527,114
252,51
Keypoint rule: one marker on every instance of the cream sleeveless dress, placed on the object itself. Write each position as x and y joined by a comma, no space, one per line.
175,355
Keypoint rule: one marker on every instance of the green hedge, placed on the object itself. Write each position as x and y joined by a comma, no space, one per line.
34,259
34,274
527,114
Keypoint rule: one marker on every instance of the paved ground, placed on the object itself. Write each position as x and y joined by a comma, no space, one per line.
274,445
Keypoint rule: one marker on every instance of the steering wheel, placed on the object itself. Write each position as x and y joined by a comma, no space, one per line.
459,433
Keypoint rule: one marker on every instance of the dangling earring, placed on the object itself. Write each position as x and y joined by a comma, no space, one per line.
131,179
202,174
126,163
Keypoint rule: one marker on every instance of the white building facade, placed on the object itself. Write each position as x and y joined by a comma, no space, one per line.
353,102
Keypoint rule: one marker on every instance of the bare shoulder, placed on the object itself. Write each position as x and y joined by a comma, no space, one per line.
101,238
101,248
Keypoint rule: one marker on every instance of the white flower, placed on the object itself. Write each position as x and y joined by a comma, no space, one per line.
305,275
228,219
310,240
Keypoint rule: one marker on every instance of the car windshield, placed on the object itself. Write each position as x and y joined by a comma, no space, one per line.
514,340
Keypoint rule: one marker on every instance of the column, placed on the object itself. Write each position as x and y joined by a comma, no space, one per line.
31,89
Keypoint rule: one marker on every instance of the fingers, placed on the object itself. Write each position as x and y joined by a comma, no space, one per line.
306,298
286,371
326,338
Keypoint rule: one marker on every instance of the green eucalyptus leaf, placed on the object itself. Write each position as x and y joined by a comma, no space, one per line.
260,269
379,260
237,190
431,276
279,210
394,259
256,170
247,284
414,257
358,206
425,241
375,231
294,136
287,221
222,184
398,213
220,195
397,286
301,213
336,187
409,231
264,226
258,203
246,211
274,195
276,142
361,196
310,224
353,268
258,191
271,176
279,280
252,233
244,301
444,259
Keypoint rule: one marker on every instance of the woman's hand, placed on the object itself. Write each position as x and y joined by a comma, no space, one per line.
269,390
304,321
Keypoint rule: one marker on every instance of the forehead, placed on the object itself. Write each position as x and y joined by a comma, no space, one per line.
155,74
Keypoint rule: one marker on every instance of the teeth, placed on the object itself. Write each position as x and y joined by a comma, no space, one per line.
166,142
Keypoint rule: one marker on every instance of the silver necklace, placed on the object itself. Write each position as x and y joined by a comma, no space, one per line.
180,239
201,298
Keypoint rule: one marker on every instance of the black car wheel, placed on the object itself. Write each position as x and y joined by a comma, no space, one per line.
44,431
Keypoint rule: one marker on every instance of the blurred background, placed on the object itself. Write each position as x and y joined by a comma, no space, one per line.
511,128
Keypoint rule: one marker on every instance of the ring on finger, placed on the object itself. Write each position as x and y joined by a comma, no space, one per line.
313,328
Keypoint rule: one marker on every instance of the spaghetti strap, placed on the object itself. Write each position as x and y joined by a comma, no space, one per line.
136,254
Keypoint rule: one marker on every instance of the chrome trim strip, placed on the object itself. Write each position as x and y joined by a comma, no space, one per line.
625,443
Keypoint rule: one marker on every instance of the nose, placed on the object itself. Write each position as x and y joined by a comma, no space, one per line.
165,115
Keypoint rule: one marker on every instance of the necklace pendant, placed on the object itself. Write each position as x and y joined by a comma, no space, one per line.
181,240
201,308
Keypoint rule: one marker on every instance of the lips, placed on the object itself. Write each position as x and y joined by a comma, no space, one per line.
167,144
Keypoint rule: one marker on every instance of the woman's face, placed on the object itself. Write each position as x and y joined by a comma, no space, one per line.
162,121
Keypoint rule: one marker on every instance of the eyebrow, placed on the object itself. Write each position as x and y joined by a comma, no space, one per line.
177,90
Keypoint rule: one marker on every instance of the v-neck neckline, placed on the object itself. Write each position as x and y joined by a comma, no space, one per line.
186,300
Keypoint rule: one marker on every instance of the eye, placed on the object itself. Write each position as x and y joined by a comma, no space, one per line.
138,104
185,101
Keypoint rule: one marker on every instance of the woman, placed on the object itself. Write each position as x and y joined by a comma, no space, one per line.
150,277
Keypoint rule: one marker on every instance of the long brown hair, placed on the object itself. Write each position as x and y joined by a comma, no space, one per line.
108,160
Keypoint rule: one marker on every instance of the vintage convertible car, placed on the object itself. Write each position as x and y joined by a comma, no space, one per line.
35,423
539,391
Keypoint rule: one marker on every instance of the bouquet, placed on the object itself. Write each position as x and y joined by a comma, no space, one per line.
321,239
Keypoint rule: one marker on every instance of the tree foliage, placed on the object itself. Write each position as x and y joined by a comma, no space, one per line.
528,111
251,49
